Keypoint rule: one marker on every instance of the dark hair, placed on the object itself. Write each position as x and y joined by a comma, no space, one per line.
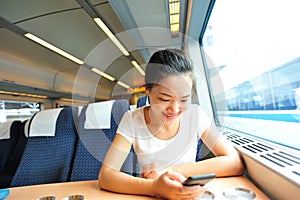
165,63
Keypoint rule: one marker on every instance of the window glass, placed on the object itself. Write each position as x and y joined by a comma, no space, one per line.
16,110
253,49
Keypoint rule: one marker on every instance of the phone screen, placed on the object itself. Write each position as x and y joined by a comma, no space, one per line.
199,179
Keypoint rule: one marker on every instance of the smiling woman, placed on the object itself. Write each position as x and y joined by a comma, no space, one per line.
164,136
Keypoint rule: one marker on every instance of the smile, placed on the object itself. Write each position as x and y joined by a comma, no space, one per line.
169,117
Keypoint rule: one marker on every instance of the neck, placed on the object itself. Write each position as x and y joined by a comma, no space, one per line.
162,130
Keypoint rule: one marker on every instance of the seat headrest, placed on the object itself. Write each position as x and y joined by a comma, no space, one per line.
79,109
44,123
98,115
5,130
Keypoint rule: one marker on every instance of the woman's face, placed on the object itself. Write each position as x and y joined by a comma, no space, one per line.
170,97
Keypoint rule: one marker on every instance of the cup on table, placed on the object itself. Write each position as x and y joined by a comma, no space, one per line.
207,195
237,193
74,197
47,198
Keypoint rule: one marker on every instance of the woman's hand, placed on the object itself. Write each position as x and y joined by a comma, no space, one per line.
169,186
150,172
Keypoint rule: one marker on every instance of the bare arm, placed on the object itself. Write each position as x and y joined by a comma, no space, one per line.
226,163
110,176
167,185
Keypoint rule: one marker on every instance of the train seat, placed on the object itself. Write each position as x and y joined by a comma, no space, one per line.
49,150
7,140
97,126
142,101
11,149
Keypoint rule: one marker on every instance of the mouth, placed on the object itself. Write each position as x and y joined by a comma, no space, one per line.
170,116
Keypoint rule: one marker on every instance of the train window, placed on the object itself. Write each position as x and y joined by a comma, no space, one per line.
16,110
252,53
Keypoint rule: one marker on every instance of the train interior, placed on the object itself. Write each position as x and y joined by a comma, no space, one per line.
60,60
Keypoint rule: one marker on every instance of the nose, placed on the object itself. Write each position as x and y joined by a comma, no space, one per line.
174,106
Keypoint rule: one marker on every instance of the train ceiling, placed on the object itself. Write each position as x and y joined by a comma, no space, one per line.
141,26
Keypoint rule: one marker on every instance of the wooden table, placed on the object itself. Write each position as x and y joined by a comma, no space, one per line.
91,191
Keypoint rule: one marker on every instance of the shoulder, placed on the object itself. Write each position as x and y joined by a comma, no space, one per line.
136,111
196,112
134,114
199,109
198,119
195,109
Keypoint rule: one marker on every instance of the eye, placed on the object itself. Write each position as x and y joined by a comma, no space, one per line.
184,100
164,100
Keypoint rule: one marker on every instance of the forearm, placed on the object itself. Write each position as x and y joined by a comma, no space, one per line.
221,165
116,181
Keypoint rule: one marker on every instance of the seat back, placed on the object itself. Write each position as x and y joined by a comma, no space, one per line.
93,143
11,150
8,143
47,159
142,101
17,153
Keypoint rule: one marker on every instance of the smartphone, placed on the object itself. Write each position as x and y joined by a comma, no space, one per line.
199,179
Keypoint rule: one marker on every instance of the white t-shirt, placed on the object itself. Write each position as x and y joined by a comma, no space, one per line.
180,149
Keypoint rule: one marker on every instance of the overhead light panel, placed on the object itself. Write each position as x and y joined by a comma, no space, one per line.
174,19
53,48
174,13
123,84
23,94
174,28
111,36
138,67
73,100
94,69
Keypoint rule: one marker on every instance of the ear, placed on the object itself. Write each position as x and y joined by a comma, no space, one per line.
147,91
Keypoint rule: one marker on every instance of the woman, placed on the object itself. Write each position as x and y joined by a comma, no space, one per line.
164,135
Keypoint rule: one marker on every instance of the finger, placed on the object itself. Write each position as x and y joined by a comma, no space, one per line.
192,189
144,174
175,176
147,170
191,192
152,175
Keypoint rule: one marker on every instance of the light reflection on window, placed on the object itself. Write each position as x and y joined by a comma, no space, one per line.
255,48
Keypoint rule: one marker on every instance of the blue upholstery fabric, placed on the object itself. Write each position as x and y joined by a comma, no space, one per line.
142,102
93,144
15,158
48,159
199,155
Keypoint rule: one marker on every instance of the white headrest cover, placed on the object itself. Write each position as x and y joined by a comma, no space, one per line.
5,130
98,115
44,123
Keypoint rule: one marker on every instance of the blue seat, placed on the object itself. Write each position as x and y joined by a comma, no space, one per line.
47,159
142,101
93,143
11,151
17,153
